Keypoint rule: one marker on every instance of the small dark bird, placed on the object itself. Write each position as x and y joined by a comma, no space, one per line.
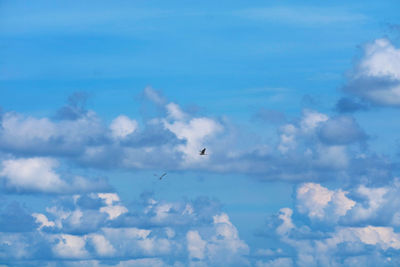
161,175
202,152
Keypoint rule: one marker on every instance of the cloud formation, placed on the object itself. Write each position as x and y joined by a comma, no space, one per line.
337,227
309,147
376,76
187,233
38,175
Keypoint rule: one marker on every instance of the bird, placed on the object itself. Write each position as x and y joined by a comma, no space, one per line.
203,152
161,175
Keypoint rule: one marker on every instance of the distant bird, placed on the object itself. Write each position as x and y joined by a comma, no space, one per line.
203,152
161,175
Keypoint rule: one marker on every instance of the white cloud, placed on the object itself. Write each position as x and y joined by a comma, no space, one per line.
385,237
23,133
319,202
194,133
122,126
162,211
114,211
70,246
376,76
285,214
135,241
381,59
195,245
109,198
29,129
225,245
42,219
306,128
175,112
311,120
287,138
38,175
111,209
120,233
340,227
205,236
102,245
375,198
33,174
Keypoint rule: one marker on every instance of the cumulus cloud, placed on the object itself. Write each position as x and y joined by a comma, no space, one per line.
306,127
122,126
69,246
319,202
112,208
311,119
194,132
42,220
311,146
163,233
43,136
225,246
39,175
376,76
195,245
335,227
36,174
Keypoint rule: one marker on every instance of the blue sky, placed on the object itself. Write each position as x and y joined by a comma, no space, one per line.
297,104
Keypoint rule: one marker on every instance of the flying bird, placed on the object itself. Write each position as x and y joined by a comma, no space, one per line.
161,175
203,152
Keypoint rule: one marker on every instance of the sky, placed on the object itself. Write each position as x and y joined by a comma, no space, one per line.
297,104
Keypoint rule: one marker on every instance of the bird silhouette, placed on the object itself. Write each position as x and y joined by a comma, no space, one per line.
203,152
160,177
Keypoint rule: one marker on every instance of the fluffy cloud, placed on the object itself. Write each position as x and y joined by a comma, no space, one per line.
69,246
112,208
310,147
376,77
35,174
161,233
194,132
195,245
225,246
122,126
42,220
319,202
30,135
337,227
39,175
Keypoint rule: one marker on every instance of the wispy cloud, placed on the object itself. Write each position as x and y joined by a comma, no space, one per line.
302,15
